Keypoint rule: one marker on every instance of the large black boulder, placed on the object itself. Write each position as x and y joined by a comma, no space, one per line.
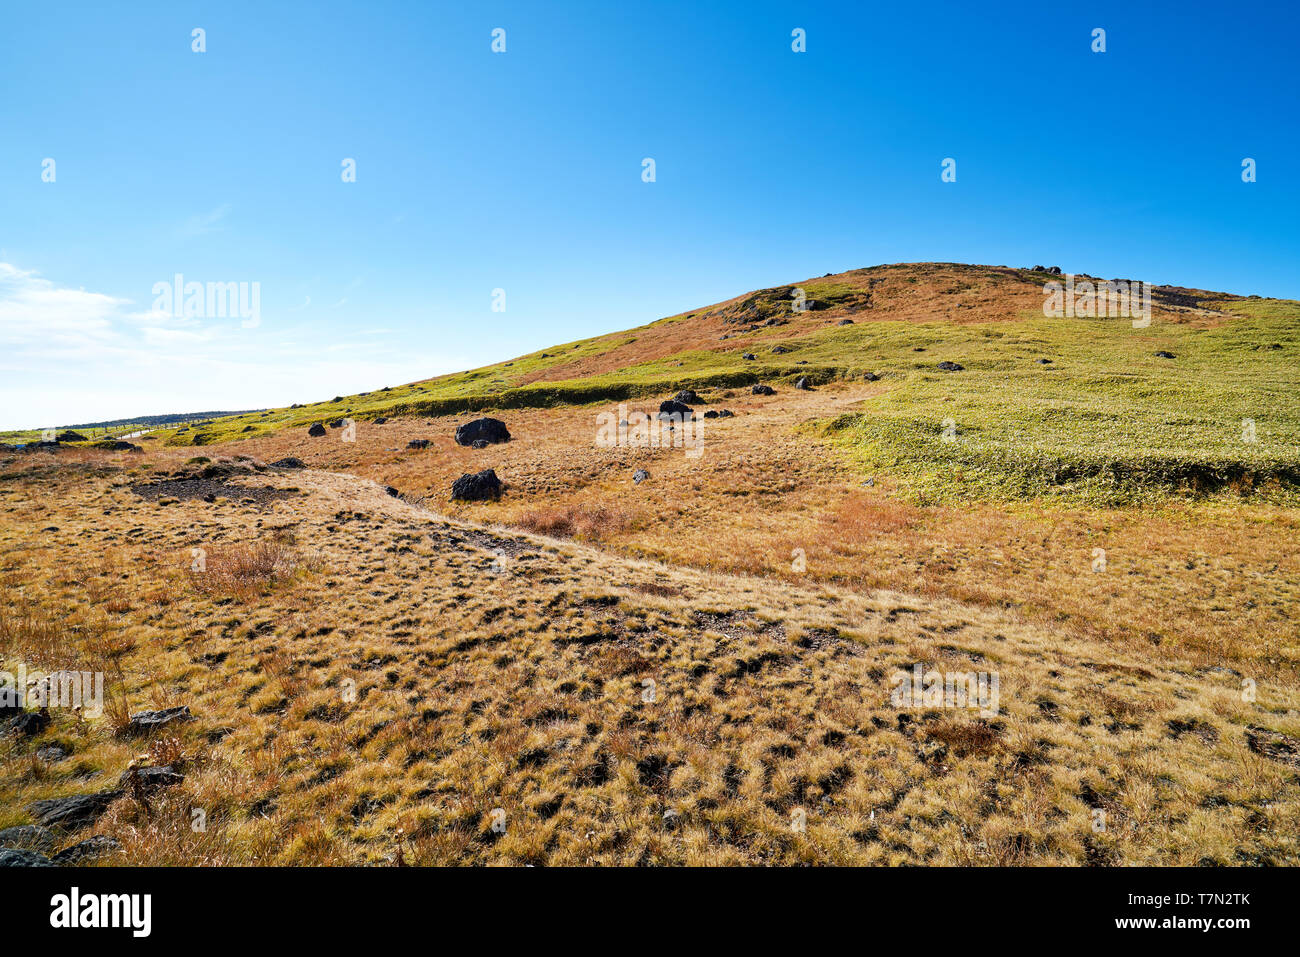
763,390
75,812
477,487
687,397
316,430
488,430
70,436
671,408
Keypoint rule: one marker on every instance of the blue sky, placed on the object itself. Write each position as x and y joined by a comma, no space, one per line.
522,171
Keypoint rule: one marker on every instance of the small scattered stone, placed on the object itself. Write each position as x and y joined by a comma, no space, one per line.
144,722
763,390
31,723
418,444
640,476
947,366
1165,355
147,780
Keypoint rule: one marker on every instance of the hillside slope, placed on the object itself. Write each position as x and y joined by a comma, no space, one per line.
990,315
648,654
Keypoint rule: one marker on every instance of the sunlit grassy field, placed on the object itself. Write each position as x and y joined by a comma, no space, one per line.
379,678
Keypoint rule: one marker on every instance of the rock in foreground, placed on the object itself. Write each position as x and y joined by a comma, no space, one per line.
478,487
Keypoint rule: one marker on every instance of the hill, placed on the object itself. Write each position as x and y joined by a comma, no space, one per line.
657,654
1087,408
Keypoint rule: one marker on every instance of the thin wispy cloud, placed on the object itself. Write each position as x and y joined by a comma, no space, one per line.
81,355
205,223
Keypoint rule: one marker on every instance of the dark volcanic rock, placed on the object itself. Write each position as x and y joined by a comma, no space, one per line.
780,350
144,722
114,445
75,812
763,390
477,487
381,420
28,837
871,377
93,847
32,722
687,397
947,366
802,383
70,436
671,407
418,444
479,444
1044,362
711,414
749,355
640,475
1165,355
10,857
289,462
392,491
725,413
845,322
145,781
316,430
487,430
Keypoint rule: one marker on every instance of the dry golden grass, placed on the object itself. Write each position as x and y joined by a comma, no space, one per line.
435,676
1217,583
